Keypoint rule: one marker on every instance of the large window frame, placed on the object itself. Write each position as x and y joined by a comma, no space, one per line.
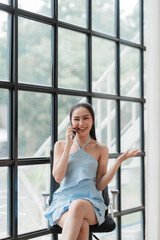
13,86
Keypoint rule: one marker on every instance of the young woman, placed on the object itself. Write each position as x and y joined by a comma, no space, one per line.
80,166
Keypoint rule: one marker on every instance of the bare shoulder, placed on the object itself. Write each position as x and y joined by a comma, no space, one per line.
101,147
103,156
59,145
100,150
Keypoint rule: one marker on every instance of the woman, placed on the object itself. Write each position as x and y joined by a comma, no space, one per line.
80,165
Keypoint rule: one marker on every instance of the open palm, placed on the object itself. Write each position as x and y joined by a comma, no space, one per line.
128,154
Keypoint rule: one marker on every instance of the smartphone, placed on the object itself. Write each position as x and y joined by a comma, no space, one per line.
74,132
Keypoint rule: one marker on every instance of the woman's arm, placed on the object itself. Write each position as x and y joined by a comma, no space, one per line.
104,179
61,155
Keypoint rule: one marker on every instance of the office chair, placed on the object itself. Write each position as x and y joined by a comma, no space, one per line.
107,226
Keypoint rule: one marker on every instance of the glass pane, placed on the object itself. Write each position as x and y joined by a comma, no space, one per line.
130,72
129,20
74,12
34,52
4,202
103,16
132,226
130,126
131,183
145,125
103,66
105,116
4,1
64,105
45,237
32,181
72,59
145,75
34,124
107,236
38,6
4,46
4,120
145,21
113,183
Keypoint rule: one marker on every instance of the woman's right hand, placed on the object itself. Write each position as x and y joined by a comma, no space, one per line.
70,135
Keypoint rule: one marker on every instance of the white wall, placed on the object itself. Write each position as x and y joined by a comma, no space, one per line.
153,121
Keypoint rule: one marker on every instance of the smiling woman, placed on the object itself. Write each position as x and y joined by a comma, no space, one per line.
82,118
54,54
80,166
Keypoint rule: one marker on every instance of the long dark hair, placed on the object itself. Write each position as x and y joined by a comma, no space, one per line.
90,109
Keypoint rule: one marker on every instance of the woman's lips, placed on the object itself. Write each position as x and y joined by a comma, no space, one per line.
82,129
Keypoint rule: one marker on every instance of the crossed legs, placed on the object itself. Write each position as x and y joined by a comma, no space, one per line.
75,222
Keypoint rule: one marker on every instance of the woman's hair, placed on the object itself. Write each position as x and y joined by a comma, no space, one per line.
90,109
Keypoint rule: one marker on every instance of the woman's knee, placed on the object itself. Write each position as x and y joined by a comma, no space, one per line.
77,207
83,209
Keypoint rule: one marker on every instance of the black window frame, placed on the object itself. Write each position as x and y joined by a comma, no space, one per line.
13,86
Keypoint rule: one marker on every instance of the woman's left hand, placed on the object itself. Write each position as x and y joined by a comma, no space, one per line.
127,155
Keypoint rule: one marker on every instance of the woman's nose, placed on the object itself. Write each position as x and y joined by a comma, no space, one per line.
80,121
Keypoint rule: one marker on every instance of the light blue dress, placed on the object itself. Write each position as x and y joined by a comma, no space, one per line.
79,183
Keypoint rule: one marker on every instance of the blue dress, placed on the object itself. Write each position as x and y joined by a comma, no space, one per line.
79,183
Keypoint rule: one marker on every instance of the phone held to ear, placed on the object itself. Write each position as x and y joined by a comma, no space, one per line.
74,132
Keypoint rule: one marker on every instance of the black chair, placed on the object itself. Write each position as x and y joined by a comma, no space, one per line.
107,226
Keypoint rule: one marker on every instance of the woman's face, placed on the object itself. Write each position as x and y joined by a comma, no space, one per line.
82,121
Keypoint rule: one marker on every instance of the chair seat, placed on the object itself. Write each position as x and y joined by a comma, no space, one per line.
107,226
55,229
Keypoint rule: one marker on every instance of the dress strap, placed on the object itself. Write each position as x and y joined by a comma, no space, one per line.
77,144
83,145
86,143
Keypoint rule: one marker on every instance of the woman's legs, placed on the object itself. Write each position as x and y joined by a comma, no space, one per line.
84,231
75,222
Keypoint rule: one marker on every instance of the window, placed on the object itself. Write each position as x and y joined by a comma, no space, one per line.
54,54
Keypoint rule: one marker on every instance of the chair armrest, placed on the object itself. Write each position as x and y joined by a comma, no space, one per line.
112,201
45,196
114,195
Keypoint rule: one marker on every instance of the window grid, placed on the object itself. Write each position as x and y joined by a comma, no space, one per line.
13,86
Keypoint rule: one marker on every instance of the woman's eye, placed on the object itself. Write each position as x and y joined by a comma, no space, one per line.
85,118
